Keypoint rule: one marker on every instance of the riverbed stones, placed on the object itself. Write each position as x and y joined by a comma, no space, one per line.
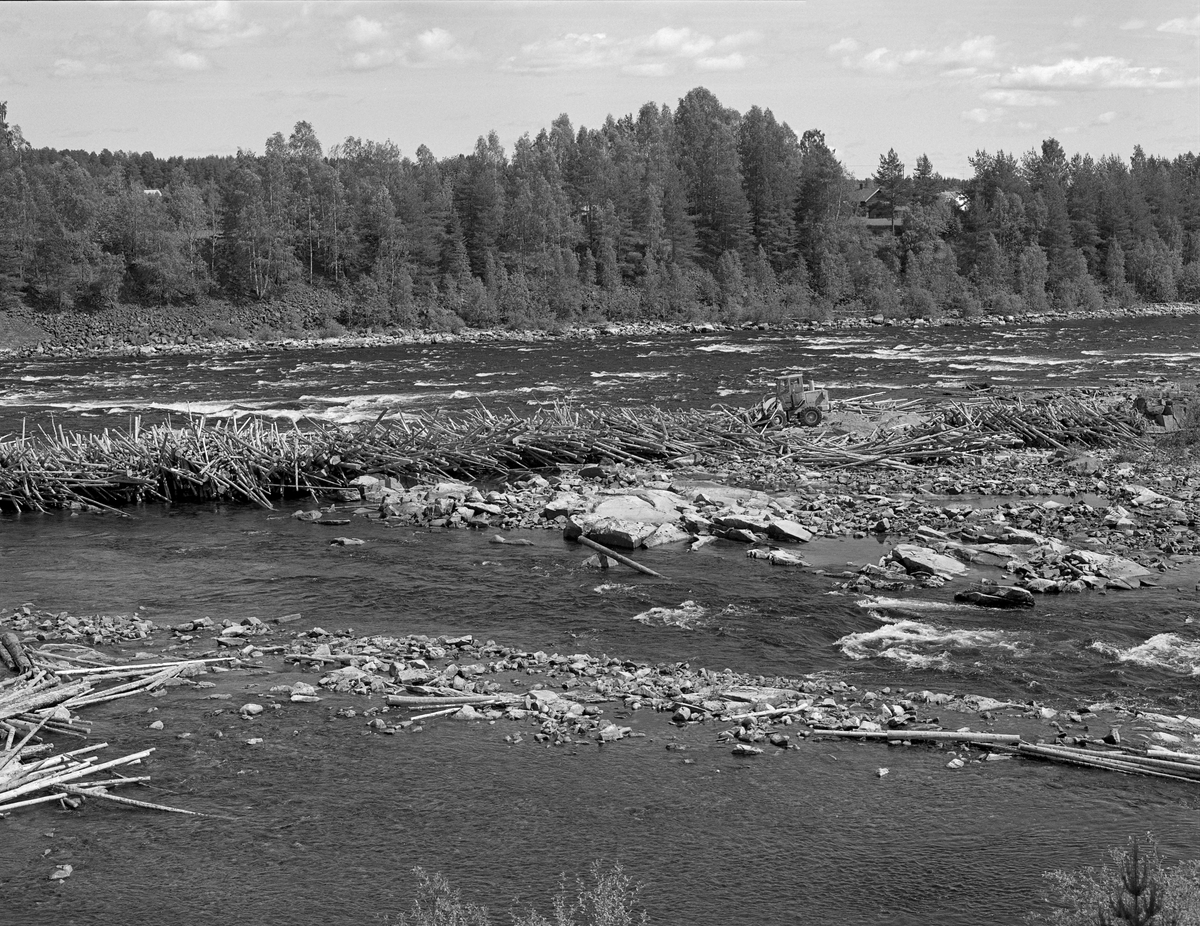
918,560
610,532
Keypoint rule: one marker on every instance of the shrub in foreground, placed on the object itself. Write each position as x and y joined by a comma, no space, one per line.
1133,888
607,898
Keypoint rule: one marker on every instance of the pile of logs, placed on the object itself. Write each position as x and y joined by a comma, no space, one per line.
42,701
1053,423
255,461
1153,761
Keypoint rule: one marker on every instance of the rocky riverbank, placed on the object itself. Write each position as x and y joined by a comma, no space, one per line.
224,328
400,685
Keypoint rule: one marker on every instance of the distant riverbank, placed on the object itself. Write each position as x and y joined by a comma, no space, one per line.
223,327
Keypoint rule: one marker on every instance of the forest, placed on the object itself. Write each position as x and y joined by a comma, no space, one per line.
699,212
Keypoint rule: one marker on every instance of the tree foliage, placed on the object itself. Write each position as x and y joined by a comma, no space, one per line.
699,212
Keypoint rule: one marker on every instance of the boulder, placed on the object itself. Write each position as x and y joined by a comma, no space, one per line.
737,535
1112,566
564,505
777,557
725,496
1041,586
666,533
920,560
371,487
516,542
1084,465
647,507
1010,597
735,521
789,531
625,535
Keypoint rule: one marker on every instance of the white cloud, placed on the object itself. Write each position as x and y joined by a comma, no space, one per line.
575,51
1106,118
1132,24
69,67
437,46
739,39
363,31
1182,25
374,59
981,115
651,55
200,25
1019,98
372,47
880,60
733,62
653,69
682,42
965,57
1099,73
185,60
976,50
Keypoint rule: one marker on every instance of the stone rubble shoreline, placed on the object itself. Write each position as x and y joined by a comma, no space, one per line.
570,699
129,332
1060,523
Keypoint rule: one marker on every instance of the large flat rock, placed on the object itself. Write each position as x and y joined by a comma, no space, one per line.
918,560
611,532
649,506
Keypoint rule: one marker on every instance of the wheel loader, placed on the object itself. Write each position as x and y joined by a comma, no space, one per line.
797,398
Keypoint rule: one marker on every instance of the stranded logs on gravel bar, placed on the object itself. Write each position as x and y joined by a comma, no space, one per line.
254,461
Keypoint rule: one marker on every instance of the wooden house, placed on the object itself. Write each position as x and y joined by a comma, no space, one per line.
869,207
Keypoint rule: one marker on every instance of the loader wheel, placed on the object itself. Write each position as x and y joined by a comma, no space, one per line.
810,417
778,420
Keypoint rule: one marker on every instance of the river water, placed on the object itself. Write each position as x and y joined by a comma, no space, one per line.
330,819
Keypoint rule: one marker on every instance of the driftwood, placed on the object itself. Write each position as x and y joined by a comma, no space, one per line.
623,560
398,700
256,461
1177,766
16,651
1093,760
42,703
898,736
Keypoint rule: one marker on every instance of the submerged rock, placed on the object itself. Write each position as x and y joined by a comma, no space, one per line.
1010,597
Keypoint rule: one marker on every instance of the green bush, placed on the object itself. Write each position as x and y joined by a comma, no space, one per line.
608,898
1133,888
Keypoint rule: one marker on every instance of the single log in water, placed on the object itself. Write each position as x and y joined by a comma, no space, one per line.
623,560
933,736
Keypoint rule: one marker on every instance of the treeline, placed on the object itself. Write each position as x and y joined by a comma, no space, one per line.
700,212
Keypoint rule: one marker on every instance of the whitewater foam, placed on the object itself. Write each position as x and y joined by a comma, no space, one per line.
920,645
1167,651
688,616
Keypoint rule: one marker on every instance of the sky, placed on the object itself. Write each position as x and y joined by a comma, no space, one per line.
944,78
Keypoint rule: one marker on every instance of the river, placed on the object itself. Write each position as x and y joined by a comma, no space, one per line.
330,819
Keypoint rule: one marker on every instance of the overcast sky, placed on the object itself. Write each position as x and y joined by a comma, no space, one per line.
943,78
